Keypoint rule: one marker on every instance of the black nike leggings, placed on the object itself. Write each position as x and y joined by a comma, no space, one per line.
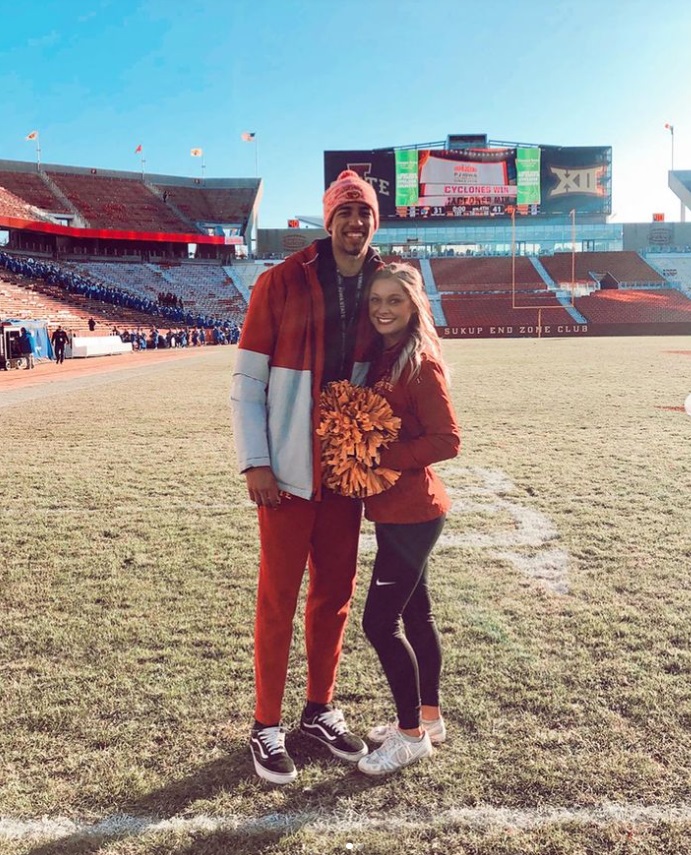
398,617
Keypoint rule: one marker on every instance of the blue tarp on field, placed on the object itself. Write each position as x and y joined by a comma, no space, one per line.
40,339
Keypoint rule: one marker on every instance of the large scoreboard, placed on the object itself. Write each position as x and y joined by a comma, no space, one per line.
484,181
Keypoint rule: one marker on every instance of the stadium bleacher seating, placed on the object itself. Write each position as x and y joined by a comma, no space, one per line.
119,203
484,274
635,306
476,292
472,290
160,220
32,188
675,267
209,205
626,267
39,301
13,206
204,288
126,294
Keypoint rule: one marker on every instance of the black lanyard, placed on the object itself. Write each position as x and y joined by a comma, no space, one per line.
347,323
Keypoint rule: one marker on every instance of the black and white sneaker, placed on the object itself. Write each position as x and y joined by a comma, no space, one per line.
271,760
329,728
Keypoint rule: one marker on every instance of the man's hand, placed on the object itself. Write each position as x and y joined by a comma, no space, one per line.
262,487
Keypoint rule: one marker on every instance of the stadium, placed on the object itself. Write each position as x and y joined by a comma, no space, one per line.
512,240
130,547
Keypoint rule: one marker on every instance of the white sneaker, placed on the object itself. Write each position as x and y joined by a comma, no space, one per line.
435,727
395,753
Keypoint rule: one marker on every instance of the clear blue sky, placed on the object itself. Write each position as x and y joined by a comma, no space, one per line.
97,78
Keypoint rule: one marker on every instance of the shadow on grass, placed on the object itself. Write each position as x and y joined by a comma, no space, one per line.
258,834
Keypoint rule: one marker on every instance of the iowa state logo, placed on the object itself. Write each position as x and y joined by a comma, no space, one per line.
381,185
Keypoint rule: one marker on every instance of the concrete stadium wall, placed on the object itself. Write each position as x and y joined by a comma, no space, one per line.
643,236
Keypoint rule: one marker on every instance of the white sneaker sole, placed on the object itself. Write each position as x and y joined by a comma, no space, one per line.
274,777
437,739
379,773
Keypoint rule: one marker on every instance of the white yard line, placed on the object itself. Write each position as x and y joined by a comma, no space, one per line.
479,818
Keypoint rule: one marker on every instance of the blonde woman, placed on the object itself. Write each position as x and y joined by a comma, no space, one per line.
407,370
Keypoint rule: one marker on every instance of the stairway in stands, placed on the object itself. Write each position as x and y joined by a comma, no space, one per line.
432,293
562,295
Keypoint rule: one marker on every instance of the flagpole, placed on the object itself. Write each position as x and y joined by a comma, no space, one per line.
251,137
140,150
670,128
682,207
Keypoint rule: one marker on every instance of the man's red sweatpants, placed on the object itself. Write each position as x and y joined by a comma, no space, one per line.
324,537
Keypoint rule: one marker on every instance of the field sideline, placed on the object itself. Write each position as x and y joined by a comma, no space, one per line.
127,587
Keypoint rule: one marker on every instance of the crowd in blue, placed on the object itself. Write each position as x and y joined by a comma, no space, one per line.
221,330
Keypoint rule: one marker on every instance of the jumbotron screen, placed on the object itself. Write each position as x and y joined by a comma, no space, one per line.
482,182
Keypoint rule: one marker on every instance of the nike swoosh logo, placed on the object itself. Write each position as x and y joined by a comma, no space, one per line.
379,583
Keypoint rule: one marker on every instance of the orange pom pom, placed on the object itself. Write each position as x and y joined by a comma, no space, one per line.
356,423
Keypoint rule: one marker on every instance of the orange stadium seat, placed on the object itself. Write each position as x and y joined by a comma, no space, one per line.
34,189
625,267
484,274
663,305
119,203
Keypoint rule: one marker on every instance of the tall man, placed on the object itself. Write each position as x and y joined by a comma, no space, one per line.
304,329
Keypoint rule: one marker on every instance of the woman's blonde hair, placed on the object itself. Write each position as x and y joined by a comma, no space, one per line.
422,335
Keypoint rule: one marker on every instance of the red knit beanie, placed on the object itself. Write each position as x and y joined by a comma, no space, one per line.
346,189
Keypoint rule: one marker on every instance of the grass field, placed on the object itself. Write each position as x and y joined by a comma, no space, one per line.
564,601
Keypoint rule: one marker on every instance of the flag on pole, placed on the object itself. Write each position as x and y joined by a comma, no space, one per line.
32,136
248,136
670,128
196,152
138,149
